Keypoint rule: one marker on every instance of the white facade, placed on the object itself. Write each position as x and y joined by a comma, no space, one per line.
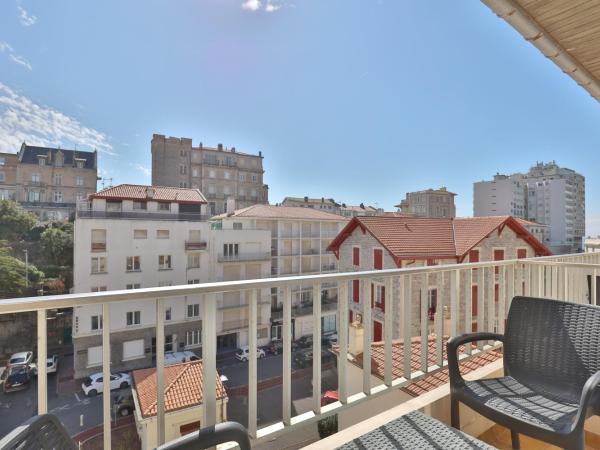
547,194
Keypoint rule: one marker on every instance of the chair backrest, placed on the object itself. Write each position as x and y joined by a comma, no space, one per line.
43,432
552,343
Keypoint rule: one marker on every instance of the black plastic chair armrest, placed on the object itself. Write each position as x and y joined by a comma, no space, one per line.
211,437
586,397
455,342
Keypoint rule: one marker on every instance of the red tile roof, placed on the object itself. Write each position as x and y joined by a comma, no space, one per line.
420,238
183,387
151,193
429,382
282,212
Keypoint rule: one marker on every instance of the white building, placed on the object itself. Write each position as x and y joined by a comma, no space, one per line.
547,194
131,237
299,239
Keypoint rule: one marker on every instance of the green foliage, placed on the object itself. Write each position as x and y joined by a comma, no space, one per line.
57,244
12,274
328,426
15,222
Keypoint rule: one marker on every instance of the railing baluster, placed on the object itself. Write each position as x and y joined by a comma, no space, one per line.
252,366
342,341
406,304
387,327
566,283
209,358
316,292
480,303
106,374
541,285
468,306
367,325
594,299
160,372
510,288
424,322
501,299
439,320
527,270
287,355
42,351
491,299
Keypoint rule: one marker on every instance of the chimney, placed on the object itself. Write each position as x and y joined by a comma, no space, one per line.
232,149
220,147
306,199
260,153
149,192
355,338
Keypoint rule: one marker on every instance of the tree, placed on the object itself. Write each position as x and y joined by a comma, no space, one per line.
57,244
12,274
15,222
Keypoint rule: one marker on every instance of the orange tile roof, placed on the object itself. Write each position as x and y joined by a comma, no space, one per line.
183,387
429,382
418,237
282,212
161,193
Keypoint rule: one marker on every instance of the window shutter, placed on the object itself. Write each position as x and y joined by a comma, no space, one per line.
356,256
372,295
378,259
355,291
383,298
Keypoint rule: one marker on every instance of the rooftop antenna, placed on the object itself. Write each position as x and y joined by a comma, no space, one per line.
106,182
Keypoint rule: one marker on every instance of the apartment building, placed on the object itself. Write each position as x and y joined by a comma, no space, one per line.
299,238
221,173
387,242
359,210
547,194
8,176
323,204
592,245
130,237
539,230
429,203
48,181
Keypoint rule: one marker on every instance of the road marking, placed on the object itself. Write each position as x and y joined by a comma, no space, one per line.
77,397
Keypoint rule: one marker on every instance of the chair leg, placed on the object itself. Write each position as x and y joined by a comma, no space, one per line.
454,414
516,442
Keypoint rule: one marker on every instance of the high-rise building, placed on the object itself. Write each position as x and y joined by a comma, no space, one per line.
548,194
432,203
221,173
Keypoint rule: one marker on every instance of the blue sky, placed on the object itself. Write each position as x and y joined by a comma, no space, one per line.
356,100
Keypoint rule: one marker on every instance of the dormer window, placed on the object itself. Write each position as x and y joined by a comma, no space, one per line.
59,161
79,163
42,160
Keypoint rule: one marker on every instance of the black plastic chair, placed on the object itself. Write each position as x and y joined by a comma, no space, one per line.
43,432
551,367
211,437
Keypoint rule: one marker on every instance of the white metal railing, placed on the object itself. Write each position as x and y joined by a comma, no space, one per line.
563,277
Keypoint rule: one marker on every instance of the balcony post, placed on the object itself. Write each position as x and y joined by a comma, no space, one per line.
501,299
439,319
480,303
287,356
594,299
160,371
343,318
106,374
209,358
316,293
406,304
424,321
252,364
491,299
367,325
42,351
468,307
454,300
387,328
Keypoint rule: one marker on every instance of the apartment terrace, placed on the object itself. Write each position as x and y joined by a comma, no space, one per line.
565,278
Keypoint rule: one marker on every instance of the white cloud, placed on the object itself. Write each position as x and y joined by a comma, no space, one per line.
5,47
252,5
23,120
25,18
141,168
271,7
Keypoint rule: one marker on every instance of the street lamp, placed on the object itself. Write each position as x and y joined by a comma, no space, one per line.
26,267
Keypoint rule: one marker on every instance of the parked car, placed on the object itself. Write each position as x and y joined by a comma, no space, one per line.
303,342
329,397
51,365
123,404
18,377
94,384
329,339
21,358
303,358
275,347
243,353
180,357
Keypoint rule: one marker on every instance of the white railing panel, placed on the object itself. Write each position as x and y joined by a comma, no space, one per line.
365,295
106,374
389,303
424,326
209,358
160,373
406,305
316,348
343,319
42,350
287,356
252,364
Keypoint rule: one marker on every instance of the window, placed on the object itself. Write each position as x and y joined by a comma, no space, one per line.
133,264
194,235
356,256
328,323
2,161
164,262
58,197
237,225
164,206
35,177
169,343
474,256
194,172
193,310
521,253
192,338
99,264
33,196
182,170
79,164
356,291
183,184
193,260
377,259
168,313
132,286
58,179
378,292
80,196
230,250
41,161
162,234
140,234
96,323
242,177
254,178
98,288
498,256
133,349
137,206
226,175
211,174
134,318
194,281
226,190
165,283
94,356
2,178
98,240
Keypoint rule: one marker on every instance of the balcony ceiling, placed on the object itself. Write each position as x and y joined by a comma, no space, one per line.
565,31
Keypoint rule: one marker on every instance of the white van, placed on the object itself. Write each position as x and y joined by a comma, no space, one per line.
180,357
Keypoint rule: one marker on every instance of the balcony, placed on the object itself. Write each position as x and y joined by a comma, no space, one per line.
244,257
562,278
142,215
195,245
